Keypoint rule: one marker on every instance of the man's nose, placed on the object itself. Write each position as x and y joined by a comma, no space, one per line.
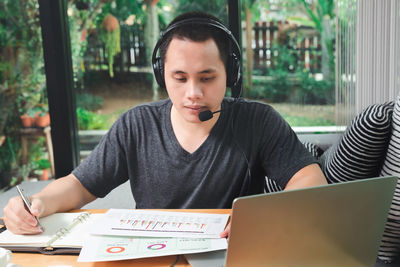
194,90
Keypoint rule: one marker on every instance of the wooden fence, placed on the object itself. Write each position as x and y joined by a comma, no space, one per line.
131,58
301,43
273,39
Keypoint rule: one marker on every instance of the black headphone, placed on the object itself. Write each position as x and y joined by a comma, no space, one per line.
233,63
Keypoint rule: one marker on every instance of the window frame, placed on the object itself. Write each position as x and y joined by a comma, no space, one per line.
59,84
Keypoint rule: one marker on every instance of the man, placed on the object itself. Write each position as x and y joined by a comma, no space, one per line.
174,160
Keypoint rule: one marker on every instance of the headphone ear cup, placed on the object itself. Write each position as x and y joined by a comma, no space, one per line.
229,71
232,70
158,69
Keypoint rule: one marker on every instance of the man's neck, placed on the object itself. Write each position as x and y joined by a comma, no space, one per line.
191,135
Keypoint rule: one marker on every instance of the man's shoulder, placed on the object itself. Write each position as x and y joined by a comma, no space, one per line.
252,114
155,105
145,113
147,108
248,106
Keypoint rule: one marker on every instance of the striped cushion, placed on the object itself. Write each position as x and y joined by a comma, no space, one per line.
360,151
390,245
271,186
315,150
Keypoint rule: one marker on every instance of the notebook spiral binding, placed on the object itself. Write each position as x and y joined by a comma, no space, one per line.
61,232
82,217
64,231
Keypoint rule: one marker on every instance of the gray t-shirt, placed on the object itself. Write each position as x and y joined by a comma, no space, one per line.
249,141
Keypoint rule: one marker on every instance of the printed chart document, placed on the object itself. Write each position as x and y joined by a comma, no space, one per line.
150,223
111,248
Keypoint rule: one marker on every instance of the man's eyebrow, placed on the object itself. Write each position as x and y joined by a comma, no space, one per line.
178,72
207,71
201,72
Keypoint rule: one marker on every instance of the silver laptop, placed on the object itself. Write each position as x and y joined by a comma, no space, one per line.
330,225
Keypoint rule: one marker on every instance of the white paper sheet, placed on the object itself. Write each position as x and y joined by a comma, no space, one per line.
112,248
150,223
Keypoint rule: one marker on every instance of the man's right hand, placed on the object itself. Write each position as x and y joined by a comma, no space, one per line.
61,195
19,220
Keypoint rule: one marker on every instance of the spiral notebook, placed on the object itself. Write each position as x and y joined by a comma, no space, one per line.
64,234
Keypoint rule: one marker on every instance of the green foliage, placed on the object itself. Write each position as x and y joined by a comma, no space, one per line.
299,121
311,91
111,39
7,93
278,87
88,120
89,102
287,81
254,7
122,9
23,173
301,21
36,150
315,10
22,79
318,14
299,87
10,160
43,164
218,8
32,89
82,16
7,155
40,110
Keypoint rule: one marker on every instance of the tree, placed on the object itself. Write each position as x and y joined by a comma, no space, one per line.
22,80
218,8
82,18
322,14
315,13
152,31
249,9
21,57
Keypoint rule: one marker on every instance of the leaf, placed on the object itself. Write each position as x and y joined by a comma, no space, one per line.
301,21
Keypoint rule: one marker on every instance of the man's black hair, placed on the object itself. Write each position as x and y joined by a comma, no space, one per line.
197,33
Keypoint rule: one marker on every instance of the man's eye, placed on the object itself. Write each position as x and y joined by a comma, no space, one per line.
207,79
180,79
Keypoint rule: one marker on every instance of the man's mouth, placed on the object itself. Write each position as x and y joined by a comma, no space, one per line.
195,108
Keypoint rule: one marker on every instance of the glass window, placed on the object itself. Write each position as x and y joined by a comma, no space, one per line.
289,56
23,99
111,45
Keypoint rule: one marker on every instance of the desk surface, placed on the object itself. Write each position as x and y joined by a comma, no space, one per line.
39,260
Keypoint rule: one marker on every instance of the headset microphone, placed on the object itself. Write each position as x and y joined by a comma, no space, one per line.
207,114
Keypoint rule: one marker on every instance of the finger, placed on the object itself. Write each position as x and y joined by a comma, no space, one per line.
37,207
17,219
226,232
24,214
15,225
223,234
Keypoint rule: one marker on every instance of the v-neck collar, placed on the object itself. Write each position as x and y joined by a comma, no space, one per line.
174,141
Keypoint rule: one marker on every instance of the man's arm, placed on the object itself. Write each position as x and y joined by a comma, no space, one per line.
61,195
308,176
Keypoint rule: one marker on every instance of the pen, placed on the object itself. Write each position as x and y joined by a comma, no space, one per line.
28,205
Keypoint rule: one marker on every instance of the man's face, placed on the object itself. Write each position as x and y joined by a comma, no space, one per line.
195,77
